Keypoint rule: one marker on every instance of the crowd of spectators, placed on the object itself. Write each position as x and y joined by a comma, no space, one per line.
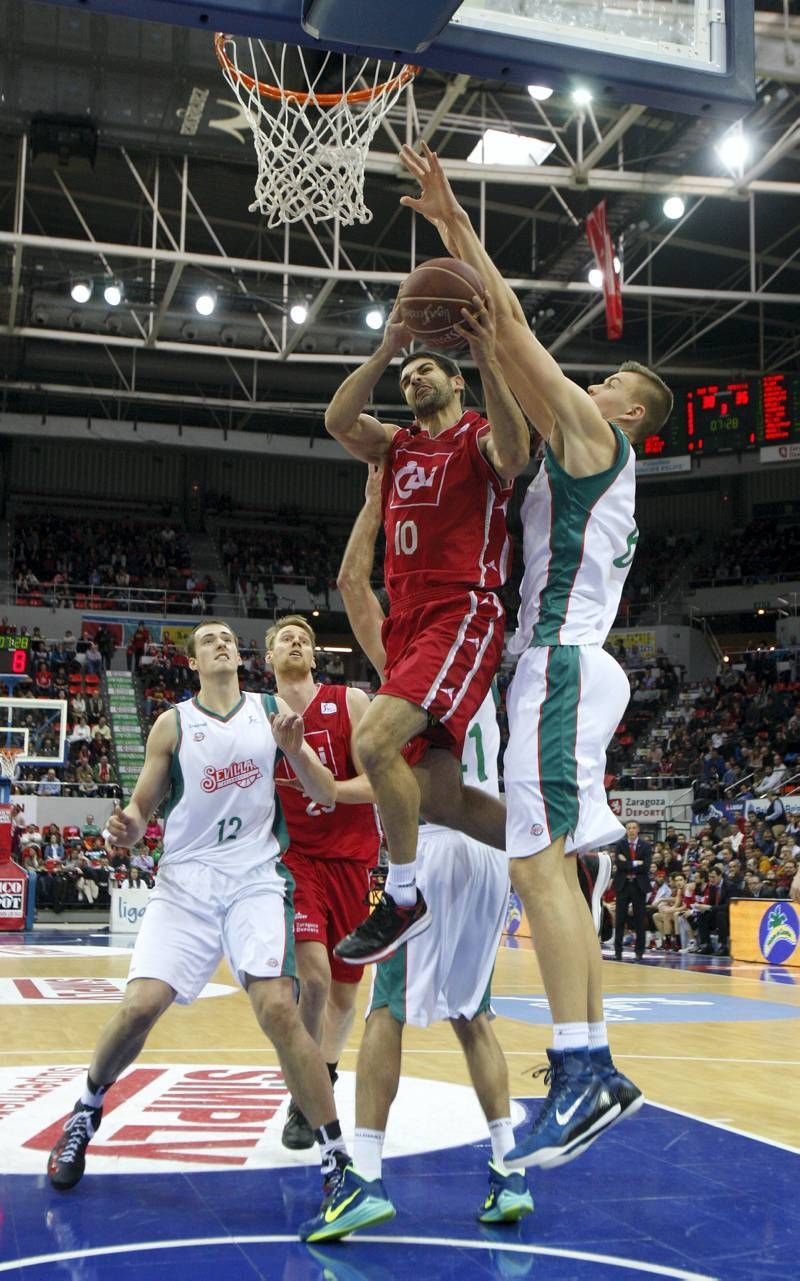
259,561
105,563
658,558
765,550
737,735
70,669
75,868
694,875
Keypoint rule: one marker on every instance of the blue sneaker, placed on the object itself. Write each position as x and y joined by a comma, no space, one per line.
628,1095
577,1109
508,1198
355,1203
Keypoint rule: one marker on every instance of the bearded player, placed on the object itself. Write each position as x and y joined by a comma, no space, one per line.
331,848
447,481
568,695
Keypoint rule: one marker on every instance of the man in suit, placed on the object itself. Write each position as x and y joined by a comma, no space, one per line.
714,913
631,883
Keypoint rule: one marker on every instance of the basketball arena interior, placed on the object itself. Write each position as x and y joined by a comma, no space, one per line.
177,310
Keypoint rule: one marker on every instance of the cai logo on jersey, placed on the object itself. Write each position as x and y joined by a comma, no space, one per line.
238,774
778,933
418,479
321,743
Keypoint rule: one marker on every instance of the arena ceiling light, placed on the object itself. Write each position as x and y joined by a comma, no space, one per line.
205,303
81,289
674,207
581,96
113,292
734,149
540,93
497,147
298,313
595,275
374,318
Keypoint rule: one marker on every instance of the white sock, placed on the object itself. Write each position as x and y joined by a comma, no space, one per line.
598,1036
501,1132
401,883
570,1036
368,1152
93,1098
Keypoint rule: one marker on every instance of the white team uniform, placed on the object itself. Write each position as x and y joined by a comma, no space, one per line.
445,973
221,888
568,694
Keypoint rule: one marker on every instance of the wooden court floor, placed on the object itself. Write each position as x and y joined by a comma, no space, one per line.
734,1067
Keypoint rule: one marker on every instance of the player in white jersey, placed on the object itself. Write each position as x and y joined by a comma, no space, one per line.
444,973
568,695
221,889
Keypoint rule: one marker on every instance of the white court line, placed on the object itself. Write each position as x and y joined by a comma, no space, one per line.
729,1129
449,1243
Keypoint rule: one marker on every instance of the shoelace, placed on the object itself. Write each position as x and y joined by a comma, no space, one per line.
79,1128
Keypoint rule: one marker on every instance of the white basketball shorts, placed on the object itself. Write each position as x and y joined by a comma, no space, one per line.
564,704
446,972
197,914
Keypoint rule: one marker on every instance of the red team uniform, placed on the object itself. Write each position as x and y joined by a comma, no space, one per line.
331,850
447,553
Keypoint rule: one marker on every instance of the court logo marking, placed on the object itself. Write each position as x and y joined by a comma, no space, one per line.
181,1117
705,1008
76,990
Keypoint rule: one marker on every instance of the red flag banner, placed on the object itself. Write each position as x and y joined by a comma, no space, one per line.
603,250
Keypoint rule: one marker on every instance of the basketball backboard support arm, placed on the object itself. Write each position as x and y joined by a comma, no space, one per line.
489,52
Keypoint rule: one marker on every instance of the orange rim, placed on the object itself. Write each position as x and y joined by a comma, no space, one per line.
322,99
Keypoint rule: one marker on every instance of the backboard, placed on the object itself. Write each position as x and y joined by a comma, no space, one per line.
37,724
706,48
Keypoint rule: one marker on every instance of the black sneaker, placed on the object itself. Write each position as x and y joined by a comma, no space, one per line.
67,1161
382,933
297,1133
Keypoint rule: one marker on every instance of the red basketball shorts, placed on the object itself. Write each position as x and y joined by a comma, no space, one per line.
442,656
330,900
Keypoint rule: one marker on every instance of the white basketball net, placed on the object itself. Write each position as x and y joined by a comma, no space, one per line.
311,151
9,760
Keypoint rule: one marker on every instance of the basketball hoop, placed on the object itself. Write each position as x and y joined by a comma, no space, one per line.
9,759
311,146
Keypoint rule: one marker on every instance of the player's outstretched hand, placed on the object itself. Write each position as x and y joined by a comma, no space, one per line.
287,730
436,201
122,828
372,489
395,335
479,329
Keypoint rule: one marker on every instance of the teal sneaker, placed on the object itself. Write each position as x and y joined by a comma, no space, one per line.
355,1203
508,1198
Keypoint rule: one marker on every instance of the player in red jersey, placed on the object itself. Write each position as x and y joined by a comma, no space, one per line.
447,481
331,848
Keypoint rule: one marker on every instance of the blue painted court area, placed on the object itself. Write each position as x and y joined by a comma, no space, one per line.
672,1007
661,1195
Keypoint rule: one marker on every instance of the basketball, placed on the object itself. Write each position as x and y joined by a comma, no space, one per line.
431,299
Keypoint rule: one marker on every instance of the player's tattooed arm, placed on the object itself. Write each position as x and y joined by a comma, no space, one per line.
361,434
127,826
316,779
364,612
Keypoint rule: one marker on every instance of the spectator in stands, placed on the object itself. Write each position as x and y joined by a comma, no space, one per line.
90,830
94,707
735,878
49,785
53,847
43,681
104,777
102,728
774,778
81,733
94,661
775,817
105,643
714,917
769,885
85,780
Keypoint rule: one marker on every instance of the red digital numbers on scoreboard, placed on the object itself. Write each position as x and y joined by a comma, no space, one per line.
19,662
775,406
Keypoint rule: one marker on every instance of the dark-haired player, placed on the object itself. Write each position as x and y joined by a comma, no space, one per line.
447,482
568,694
